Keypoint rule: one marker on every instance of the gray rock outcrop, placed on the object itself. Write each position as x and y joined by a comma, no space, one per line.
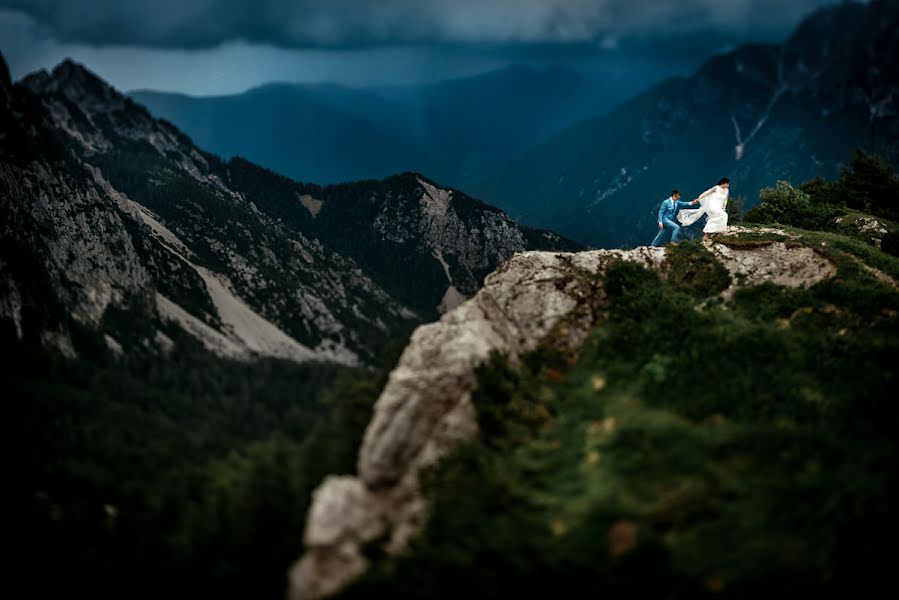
425,409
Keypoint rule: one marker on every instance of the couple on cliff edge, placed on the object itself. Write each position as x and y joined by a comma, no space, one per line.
712,203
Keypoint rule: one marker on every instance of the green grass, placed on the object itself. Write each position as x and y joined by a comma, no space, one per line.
748,449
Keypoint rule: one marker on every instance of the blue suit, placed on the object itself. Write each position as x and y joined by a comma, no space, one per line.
667,212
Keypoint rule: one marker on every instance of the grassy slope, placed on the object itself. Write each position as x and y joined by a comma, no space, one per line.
867,228
735,449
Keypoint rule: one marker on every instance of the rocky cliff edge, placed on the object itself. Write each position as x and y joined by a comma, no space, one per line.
425,409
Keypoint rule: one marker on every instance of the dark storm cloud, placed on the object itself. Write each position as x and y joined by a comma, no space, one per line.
359,23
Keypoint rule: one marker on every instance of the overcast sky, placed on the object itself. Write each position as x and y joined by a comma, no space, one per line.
224,46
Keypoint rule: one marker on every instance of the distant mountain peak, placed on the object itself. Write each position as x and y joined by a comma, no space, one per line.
78,84
70,70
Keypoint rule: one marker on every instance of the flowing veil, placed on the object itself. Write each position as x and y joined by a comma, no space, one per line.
691,215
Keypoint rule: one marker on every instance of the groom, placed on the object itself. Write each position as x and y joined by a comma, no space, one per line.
666,217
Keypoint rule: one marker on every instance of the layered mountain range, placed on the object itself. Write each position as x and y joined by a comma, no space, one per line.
757,114
106,208
458,130
558,149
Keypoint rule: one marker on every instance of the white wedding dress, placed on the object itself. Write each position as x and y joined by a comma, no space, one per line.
711,203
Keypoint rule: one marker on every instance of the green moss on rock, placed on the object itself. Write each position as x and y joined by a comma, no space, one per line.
689,267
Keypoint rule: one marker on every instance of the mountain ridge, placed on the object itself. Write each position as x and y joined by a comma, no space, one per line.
232,250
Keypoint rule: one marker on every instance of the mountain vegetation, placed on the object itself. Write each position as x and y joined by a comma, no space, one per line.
182,471
700,443
862,203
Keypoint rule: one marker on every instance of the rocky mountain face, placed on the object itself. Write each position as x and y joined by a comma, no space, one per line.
106,208
426,411
757,114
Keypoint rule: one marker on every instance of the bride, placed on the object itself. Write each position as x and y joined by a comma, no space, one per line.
711,203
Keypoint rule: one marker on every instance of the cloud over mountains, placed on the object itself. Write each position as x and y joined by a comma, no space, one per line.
361,23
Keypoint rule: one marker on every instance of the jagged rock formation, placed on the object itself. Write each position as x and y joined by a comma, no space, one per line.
119,209
425,408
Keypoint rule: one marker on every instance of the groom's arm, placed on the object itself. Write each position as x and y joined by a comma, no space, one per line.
683,204
661,211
